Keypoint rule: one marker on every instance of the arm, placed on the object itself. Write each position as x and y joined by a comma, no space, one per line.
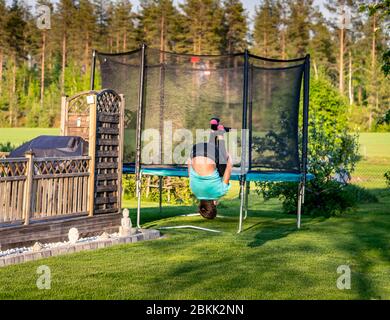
228,170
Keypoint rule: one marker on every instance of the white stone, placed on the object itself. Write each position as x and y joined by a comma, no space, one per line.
104,236
73,235
37,247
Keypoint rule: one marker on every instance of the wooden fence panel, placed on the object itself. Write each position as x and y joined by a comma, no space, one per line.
59,186
12,185
62,186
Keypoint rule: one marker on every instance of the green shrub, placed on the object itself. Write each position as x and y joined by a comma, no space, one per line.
328,198
180,192
387,177
6,147
331,150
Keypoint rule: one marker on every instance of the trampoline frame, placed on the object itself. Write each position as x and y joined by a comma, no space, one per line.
247,92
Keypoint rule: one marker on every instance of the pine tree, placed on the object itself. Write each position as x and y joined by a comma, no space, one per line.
204,19
321,46
102,23
299,25
343,10
66,11
122,25
266,29
85,20
16,42
3,15
235,25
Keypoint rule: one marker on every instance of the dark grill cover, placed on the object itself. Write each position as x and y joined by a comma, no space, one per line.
53,146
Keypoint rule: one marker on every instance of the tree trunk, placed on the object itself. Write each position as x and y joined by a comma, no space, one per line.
341,60
124,41
374,95
1,70
63,64
86,53
117,42
350,88
43,66
13,92
373,51
283,45
162,33
315,69
360,95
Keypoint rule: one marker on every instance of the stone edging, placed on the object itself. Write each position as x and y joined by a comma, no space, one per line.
143,234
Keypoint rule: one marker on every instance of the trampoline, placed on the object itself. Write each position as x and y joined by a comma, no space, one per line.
170,97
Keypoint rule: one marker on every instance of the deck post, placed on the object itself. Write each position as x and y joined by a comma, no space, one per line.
28,198
91,99
120,151
63,115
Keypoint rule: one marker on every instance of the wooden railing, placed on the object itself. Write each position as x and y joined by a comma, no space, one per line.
13,176
36,188
39,188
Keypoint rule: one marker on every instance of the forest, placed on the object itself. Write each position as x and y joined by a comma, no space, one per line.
349,46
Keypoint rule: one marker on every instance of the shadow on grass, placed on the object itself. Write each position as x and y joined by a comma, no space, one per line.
368,244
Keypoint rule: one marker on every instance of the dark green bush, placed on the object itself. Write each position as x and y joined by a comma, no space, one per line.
6,147
387,177
327,198
332,150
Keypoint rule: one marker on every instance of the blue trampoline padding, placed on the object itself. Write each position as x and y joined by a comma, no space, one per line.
250,176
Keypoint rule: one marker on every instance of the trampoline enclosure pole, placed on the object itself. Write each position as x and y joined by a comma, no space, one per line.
302,184
141,94
243,138
305,137
93,66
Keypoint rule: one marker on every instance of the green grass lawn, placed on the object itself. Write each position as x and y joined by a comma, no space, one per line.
375,152
271,259
19,135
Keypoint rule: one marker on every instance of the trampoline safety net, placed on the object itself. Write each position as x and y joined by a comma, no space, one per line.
182,92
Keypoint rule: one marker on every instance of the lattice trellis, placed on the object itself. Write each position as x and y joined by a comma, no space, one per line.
75,115
78,104
108,165
13,168
61,166
108,102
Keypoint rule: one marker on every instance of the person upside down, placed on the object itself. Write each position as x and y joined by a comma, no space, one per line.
209,170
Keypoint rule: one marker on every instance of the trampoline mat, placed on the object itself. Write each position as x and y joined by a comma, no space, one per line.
250,176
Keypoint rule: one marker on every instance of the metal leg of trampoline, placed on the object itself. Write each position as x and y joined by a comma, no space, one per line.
160,185
300,201
189,227
247,189
242,200
139,202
